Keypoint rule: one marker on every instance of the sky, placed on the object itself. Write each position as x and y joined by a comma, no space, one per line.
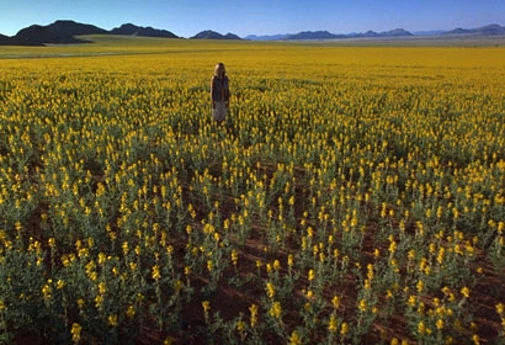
260,17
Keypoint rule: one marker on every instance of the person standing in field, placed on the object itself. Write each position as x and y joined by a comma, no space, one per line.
220,93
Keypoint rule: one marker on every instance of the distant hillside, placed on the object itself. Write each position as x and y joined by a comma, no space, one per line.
230,36
395,33
133,30
4,40
428,33
314,35
61,31
325,35
213,35
266,37
489,30
64,32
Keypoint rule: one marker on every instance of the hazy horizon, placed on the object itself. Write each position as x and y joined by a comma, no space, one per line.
261,17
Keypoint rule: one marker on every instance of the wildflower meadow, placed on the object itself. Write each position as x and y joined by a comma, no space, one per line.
354,195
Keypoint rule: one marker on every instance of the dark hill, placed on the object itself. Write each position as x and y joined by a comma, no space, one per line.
325,35
384,34
395,33
5,40
61,31
489,30
212,35
369,33
230,36
313,35
134,30
492,30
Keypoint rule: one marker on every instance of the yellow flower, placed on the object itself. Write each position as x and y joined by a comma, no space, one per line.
333,324
187,270
112,320
178,285
76,332
234,257
392,247
311,275
253,309
102,288
465,292
206,306
98,301
421,328
46,292
500,308
276,310
370,271
125,248
362,305
270,290
80,303
60,284
101,258
130,312
336,302
420,286
440,324
156,272
240,325
290,260
295,339
344,328
308,307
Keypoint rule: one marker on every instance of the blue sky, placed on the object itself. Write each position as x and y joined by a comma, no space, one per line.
263,17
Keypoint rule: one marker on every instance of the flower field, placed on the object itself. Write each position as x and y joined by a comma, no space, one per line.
355,195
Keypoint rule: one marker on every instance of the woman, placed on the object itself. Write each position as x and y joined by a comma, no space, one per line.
220,93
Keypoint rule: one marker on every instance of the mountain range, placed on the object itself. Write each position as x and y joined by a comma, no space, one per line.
489,30
133,30
212,35
65,32
322,35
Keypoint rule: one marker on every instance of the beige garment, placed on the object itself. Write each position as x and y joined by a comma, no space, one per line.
219,112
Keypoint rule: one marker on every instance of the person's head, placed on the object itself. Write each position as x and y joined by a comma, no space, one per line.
220,70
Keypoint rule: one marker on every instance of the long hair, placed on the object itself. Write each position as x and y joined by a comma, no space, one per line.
216,69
